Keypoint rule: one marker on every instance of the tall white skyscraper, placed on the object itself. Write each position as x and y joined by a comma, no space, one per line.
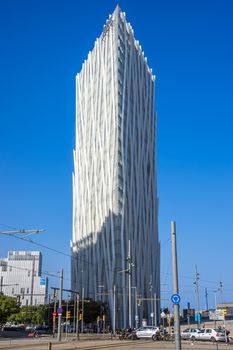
116,252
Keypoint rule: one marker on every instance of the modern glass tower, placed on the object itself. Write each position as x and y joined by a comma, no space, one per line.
115,246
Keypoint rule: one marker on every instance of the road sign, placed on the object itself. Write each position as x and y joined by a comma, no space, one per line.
60,311
175,298
42,281
197,317
54,314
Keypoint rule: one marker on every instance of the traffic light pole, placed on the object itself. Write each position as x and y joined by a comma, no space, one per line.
60,306
54,310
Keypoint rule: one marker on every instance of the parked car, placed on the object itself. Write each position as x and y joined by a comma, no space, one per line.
189,332
209,334
42,329
147,332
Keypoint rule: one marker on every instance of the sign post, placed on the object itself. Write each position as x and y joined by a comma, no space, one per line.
175,298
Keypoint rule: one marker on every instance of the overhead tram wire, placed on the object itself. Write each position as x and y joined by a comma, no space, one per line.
90,263
57,251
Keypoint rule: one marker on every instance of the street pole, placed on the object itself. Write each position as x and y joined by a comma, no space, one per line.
77,321
82,310
54,310
151,302
114,310
220,290
155,296
175,287
198,296
206,298
60,305
136,308
67,306
215,303
74,314
129,267
32,280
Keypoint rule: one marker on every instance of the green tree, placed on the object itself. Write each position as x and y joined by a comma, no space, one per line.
8,306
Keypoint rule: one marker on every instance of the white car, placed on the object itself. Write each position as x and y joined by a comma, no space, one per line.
147,332
190,332
209,334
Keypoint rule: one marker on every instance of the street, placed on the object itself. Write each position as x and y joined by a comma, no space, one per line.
88,344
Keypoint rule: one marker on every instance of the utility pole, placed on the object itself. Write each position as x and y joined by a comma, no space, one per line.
136,308
129,272
32,280
60,306
151,312
54,310
155,296
77,322
175,287
74,313
82,310
114,310
206,299
220,291
198,296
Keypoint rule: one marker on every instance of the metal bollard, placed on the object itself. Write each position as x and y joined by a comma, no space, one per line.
49,345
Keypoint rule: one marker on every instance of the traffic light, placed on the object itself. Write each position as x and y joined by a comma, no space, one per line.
67,314
224,312
80,316
54,294
98,319
103,317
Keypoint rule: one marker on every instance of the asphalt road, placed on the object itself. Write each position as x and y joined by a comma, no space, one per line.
93,344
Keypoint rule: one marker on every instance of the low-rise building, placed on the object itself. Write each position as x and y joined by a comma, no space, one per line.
20,276
227,306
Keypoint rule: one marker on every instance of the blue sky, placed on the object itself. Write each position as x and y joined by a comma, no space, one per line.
189,47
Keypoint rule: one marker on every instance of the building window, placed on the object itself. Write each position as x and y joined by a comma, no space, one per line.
28,273
27,290
13,290
4,266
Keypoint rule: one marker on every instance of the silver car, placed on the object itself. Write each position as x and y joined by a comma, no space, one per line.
147,332
211,334
188,333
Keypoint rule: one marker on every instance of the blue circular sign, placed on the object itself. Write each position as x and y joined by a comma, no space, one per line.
175,298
